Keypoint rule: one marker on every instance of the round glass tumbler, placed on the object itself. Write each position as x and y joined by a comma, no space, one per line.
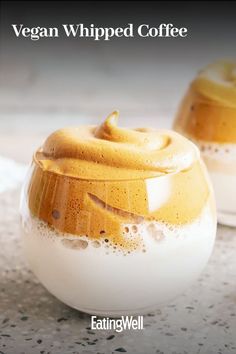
120,245
207,116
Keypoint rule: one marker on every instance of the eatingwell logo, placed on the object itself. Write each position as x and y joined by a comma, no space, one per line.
117,324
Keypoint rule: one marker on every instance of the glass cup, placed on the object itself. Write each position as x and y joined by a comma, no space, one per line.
211,125
117,246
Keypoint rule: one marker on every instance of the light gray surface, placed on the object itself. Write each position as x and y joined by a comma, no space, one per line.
202,321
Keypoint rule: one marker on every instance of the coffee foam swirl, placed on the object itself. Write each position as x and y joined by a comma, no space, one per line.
208,109
91,181
217,82
111,152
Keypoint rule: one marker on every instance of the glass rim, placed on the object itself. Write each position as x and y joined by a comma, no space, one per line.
207,100
159,175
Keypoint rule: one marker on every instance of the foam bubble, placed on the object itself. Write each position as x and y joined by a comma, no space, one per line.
216,150
147,235
98,278
75,244
96,244
156,233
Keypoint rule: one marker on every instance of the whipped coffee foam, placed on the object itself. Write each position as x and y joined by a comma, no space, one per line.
208,109
91,180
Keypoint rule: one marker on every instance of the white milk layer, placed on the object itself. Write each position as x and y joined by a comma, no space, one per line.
96,278
221,163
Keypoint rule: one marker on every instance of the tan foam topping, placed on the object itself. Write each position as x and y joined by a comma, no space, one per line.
208,110
92,180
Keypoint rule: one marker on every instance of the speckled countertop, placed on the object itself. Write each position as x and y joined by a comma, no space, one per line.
203,320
